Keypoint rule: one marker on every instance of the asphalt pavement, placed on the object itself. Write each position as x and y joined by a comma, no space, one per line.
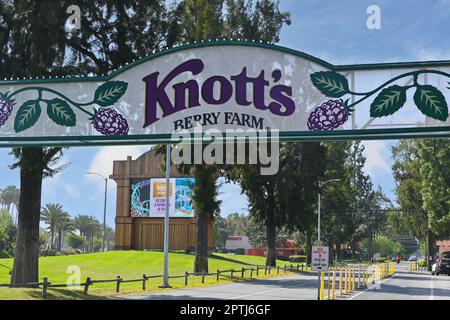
403,285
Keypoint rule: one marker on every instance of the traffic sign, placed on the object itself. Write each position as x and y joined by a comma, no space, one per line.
319,258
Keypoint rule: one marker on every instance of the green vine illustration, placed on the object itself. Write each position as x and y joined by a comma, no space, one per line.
391,98
60,111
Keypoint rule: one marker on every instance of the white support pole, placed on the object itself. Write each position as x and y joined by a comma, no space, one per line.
166,222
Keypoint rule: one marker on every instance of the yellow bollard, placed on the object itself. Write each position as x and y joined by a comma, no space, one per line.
353,278
328,286
333,286
347,274
340,283
322,285
373,274
359,276
364,276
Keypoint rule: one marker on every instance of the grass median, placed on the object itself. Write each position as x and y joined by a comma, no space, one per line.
128,265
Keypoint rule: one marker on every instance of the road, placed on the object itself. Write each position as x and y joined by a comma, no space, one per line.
403,285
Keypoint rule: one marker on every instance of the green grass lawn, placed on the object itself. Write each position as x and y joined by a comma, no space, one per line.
127,265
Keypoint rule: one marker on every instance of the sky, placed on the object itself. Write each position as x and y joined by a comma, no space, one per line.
335,31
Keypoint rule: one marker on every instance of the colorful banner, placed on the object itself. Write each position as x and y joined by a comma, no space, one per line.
148,197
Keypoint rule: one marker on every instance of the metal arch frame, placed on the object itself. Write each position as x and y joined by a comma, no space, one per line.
353,134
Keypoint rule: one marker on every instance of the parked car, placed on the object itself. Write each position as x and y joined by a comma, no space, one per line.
412,258
442,264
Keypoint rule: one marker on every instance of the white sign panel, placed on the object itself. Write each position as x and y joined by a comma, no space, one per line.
228,85
319,258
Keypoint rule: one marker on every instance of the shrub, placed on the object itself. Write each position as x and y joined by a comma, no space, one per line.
4,255
75,241
297,258
422,263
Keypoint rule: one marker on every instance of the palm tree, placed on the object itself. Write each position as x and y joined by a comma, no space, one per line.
53,216
63,225
110,237
9,197
89,227
35,163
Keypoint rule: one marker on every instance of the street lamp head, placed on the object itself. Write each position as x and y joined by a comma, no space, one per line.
331,180
97,174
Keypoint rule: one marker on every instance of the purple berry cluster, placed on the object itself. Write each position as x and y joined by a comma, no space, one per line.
109,122
328,116
6,107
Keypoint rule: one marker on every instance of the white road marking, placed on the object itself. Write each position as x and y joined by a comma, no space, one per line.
352,297
261,292
432,288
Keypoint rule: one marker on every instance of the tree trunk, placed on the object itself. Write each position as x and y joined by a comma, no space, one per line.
201,247
308,246
52,239
25,268
430,248
330,252
59,239
271,258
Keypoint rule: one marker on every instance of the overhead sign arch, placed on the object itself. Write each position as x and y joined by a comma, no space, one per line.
229,85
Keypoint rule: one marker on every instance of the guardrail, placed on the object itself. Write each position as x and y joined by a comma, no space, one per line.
233,273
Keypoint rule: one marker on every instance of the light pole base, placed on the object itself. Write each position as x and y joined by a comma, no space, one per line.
165,286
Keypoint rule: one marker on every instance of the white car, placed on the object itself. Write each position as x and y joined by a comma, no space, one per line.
412,258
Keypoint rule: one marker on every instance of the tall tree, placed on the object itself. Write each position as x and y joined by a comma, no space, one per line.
35,43
406,171
209,19
434,162
35,164
50,215
32,38
304,166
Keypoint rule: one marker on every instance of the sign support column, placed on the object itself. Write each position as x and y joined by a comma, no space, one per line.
166,222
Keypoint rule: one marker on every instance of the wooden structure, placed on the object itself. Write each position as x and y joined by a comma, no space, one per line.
137,233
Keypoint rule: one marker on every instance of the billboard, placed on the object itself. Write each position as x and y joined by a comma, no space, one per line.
148,197
229,85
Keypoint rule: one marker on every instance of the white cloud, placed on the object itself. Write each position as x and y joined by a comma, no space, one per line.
102,161
51,184
71,189
427,54
376,153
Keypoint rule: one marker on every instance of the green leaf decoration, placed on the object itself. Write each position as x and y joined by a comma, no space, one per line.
109,92
388,101
330,83
27,115
431,102
61,113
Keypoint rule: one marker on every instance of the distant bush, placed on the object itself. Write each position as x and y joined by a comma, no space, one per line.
76,241
282,258
297,258
49,253
422,263
4,255
69,251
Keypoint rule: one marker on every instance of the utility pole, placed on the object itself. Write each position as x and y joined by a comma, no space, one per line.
104,207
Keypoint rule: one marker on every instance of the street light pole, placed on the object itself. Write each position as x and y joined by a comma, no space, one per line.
166,222
321,184
104,207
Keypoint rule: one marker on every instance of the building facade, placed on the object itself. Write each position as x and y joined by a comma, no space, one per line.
147,233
